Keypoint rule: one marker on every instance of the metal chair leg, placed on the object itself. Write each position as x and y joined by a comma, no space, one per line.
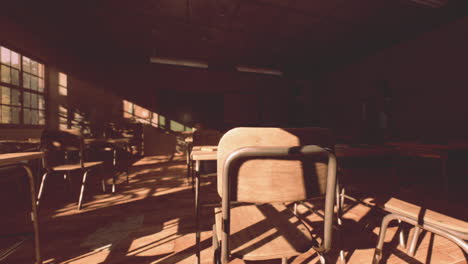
383,230
401,235
216,247
114,181
80,200
41,188
339,213
414,241
103,184
322,258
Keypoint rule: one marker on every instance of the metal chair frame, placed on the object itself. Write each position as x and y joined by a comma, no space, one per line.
231,166
458,238
67,176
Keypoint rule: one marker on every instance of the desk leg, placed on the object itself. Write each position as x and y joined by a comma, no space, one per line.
187,152
197,210
114,165
34,214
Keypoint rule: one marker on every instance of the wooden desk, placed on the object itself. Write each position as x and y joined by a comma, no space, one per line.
363,150
16,159
431,151
198,155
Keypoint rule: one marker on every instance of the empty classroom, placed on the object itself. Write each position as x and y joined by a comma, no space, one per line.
233,131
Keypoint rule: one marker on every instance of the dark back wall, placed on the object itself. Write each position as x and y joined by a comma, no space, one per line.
426,78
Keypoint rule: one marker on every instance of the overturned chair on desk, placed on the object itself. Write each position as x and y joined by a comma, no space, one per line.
261,171
421,218
59,147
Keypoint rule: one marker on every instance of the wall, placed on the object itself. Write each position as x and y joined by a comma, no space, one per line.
428,80
158,142
221,100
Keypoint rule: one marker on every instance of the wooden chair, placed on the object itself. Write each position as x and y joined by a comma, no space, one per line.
59,147
421,218
264,168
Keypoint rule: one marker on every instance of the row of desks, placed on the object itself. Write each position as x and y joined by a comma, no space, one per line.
21,159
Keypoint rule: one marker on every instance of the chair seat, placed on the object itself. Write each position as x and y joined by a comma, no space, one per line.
266,231
70,167
429,217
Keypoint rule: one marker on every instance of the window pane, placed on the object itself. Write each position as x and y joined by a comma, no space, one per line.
26,116
34,117
6,114
62,91
127,115
26,80
41,70
138,110
162,121
127,106
5,55
34,67
41,102
176,126
15,97
15,61
6,74
14,77
27,99
6,99
34,83
34,101
154,120
15,115
62,79
41,117
26,64
41,85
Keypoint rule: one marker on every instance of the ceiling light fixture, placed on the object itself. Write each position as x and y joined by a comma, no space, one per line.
259,70
431,3
177,62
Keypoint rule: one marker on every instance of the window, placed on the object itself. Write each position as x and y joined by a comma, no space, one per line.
62,84
176,126
145,116
142,115
21,89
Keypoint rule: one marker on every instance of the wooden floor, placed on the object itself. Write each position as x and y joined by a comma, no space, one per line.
151,220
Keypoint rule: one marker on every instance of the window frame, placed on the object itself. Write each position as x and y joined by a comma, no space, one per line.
22,90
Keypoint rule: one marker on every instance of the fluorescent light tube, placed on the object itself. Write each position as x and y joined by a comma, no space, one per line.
176,62
431,3
259,70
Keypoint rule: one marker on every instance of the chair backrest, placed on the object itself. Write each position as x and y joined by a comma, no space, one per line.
275,180
56,142
206,137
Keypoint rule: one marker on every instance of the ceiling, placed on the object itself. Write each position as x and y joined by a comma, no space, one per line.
296,36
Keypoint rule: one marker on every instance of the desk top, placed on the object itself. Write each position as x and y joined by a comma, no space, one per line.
363,150
451,145
204,155
115,141
12,158
205,148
